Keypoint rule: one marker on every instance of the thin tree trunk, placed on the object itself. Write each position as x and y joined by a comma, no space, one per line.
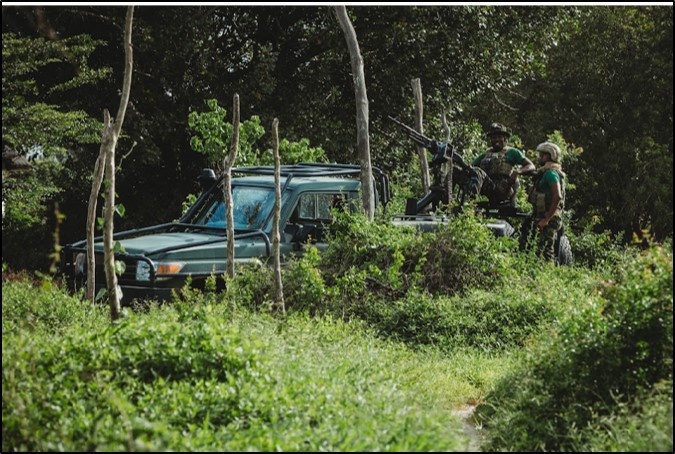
110,135
91,211
419,114
111,276
108,227
276,235
448,181
227,186
362,137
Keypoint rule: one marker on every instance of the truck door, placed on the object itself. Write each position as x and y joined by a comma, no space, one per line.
312,214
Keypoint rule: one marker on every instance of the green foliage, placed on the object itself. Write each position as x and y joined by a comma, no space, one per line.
604,353
645,426
190,200
294,152
27,196
623,178
304,288
39,125
461,254
594,355
214,135
200,377
252,287
29,121
596,250
28,308
490,321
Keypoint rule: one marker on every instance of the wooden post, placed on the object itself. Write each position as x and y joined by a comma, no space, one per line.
362,138
448,179
227,186
421,152
276,235
105,165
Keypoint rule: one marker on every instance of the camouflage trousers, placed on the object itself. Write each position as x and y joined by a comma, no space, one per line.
545,239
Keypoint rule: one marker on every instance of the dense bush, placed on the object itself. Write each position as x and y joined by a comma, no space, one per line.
202,377
617,347
645,425
421,289
487,320
460,255
596,250
30,306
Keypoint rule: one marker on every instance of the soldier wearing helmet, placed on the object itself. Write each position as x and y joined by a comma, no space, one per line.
547,198
496,170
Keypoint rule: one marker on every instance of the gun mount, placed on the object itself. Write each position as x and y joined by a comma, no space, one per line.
443,153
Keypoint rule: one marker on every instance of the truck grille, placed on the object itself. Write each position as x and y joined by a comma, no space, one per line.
129,275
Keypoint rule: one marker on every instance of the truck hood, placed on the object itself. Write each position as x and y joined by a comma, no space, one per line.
151,244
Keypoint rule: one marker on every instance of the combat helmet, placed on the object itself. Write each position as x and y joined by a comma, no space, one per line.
497,128
552,149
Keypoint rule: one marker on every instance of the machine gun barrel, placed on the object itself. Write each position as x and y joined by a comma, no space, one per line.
440,148
414,135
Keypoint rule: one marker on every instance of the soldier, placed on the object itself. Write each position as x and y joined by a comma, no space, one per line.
547,197
495,172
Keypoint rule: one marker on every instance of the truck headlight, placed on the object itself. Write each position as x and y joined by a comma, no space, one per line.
142,271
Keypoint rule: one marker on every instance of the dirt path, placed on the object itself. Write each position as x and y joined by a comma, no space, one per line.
473,433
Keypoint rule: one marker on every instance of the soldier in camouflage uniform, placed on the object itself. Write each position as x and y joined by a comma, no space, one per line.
548,199
495,172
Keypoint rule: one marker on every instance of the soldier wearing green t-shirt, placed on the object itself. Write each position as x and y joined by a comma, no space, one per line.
495,172
547,198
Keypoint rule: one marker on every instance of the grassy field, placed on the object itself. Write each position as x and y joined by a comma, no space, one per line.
202,376
370,357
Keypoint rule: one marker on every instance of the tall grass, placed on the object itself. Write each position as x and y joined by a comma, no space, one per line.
598,360
204,377
386,334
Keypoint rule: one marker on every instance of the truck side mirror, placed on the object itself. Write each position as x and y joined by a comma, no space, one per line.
206,179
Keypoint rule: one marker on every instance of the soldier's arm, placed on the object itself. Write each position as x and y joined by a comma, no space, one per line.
553,207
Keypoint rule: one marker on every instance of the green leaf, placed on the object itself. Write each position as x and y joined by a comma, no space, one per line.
120,267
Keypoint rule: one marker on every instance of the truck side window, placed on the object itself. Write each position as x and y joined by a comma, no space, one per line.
317,206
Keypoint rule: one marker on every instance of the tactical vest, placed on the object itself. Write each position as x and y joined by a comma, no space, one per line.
495,166
541,200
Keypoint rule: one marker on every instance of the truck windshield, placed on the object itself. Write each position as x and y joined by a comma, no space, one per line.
251,207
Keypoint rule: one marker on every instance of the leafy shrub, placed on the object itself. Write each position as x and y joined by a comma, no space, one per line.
205,378
252,287
596,250
304,289
604,353
644,426
461,254
55,394
27,306
489,321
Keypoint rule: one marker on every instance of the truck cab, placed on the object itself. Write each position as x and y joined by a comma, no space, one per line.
159,259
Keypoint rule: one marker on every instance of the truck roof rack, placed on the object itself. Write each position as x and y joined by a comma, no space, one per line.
315,169
303,169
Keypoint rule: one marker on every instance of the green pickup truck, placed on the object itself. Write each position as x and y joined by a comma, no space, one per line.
160,258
